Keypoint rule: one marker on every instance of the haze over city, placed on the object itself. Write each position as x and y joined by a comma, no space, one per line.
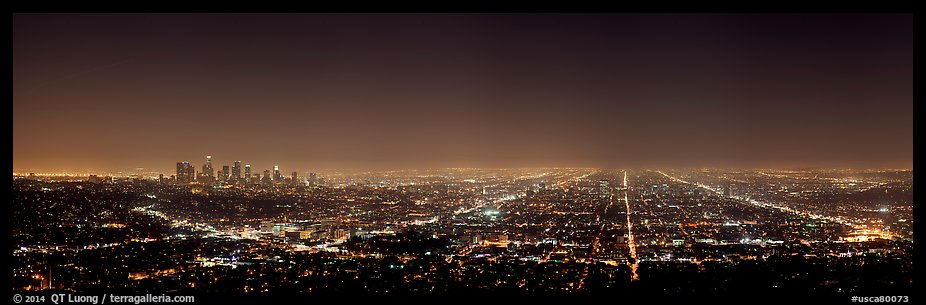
286,158
105,92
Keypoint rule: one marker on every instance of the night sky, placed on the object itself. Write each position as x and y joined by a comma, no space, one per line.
306,92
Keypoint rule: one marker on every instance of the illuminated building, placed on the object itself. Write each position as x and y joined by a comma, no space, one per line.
277,176
223,175
236,172
298,234
207,175
247,173
604,187
266,226
313,179
185,172
342,234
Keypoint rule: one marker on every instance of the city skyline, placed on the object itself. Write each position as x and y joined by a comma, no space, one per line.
828,234
117,92
253,158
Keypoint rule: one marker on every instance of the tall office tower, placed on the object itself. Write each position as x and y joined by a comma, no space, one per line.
247,173
223,176
276,173
161,179
295,179
604,187
190,173
313,179
183,172
181,169
236,172
266,176
208,174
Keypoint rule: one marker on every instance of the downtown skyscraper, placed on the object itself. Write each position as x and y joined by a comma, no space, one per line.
236,172
208,173
185,172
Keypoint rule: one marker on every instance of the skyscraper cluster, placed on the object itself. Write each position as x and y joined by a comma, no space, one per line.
186,173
